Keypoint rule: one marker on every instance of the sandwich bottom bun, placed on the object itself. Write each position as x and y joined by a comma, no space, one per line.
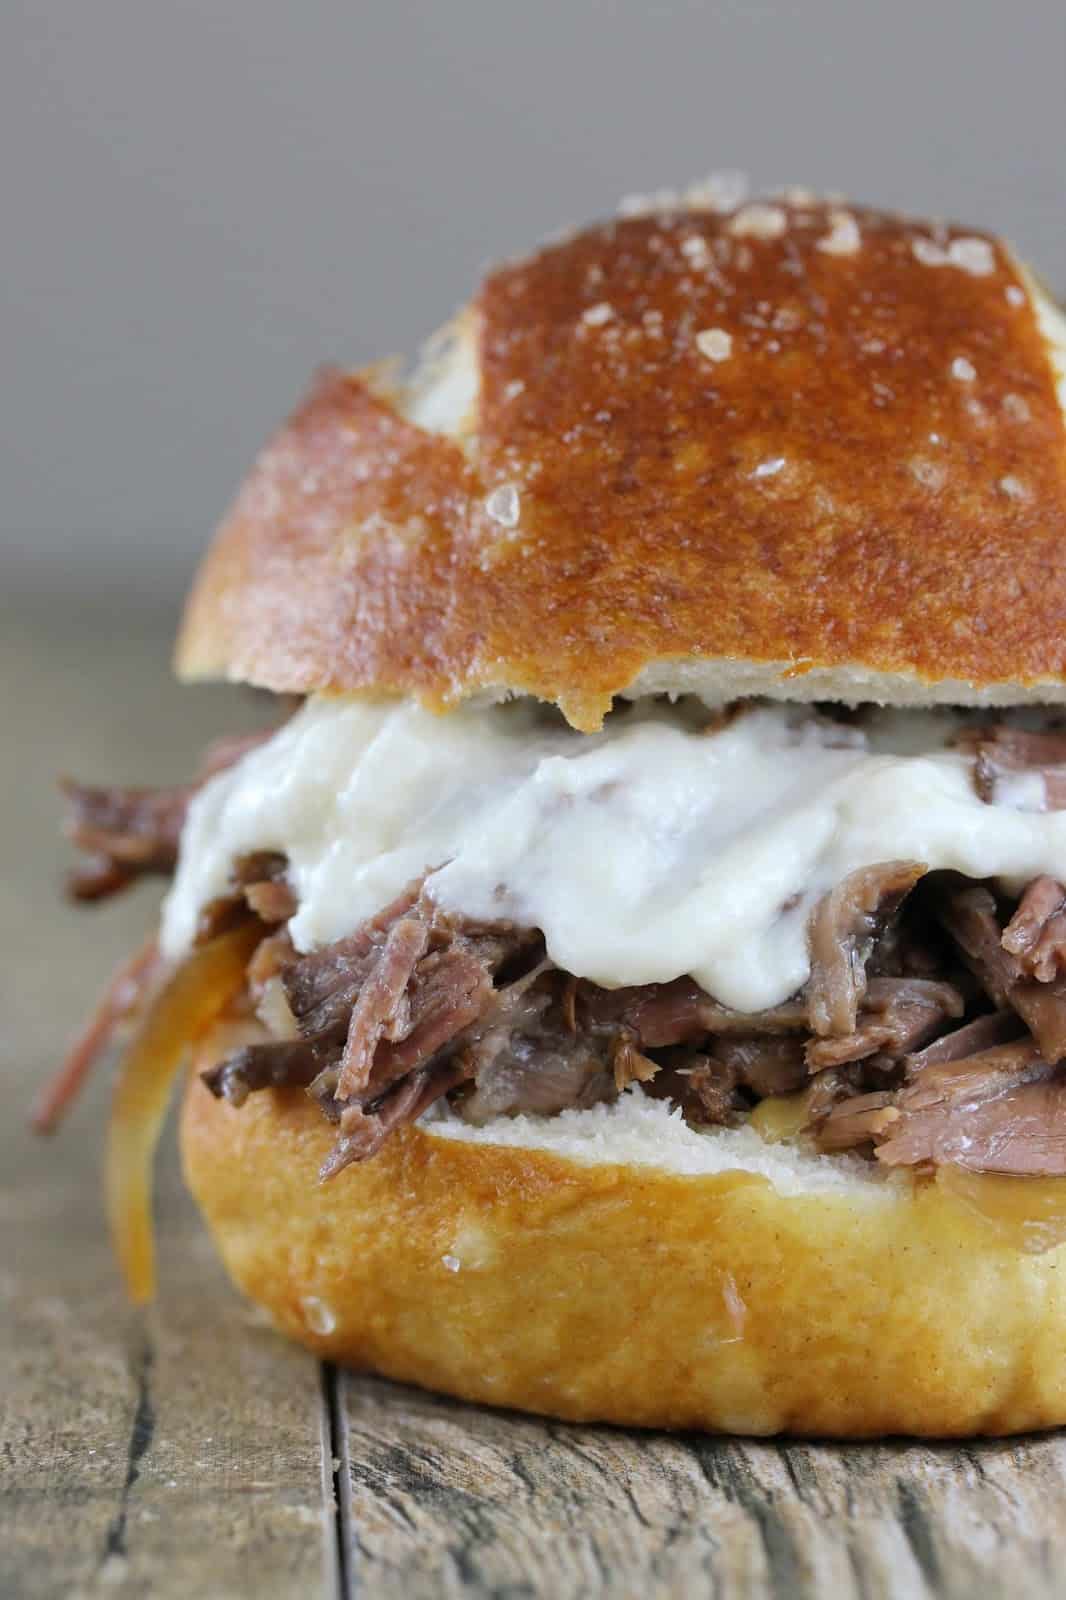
613,1265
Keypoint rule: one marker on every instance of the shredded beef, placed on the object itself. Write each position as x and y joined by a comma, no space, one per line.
983,1033
631,1065
1005,753
765,1064
898,1015
833,1085
524,1057
1036,934
258,887
704,1087
1003,1110
270,900
1020,1132
1042,1007
932,1028
972,918
379,1002
278,1064
843,929
364,1131
416,1005
661,1014
857,1120
988,1095
127,833
451,991
390,1018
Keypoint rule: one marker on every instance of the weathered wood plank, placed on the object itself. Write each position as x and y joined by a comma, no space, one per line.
450,1500
178,1453
179,1450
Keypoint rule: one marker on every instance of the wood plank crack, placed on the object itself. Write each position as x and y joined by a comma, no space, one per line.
140,1440
725,1468
337,1470
919,1530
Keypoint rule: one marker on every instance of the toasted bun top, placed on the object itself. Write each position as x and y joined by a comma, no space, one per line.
792,449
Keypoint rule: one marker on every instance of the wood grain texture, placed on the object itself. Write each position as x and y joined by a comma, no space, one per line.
450,1500
173,1454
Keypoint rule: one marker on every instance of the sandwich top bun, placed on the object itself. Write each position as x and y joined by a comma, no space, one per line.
793,449
613,1265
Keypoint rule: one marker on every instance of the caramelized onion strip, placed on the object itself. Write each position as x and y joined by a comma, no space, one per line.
187,1005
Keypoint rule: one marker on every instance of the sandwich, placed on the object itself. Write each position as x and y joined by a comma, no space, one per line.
627,981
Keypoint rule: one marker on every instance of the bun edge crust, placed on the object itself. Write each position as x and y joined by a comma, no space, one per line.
516,1278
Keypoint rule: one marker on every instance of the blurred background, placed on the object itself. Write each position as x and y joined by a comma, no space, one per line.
202,201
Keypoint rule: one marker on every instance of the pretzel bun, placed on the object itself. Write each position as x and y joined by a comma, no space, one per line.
613,1265
793,449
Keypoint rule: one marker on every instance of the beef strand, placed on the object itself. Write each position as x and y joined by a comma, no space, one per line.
764,1064
661,1014
1036,933
983,1033
705,1087
1003,1111
128,833
123,996
363,1132
843,929
378,1001
971,917
898,1016
125,832
258,887
524,1058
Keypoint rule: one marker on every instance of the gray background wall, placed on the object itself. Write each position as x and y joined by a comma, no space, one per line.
201,199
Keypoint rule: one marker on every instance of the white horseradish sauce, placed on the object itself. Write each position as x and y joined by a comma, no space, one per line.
645,852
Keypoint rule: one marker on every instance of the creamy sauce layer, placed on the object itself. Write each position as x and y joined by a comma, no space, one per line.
646,852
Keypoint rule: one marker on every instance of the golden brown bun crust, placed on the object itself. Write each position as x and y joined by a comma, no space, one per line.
915,527
626,1294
